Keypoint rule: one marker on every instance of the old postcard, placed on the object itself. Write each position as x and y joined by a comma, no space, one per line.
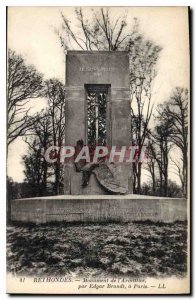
98,132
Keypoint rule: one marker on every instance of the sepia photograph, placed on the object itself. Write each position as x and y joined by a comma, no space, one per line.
98,150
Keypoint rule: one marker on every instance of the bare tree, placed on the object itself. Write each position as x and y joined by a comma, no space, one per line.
48,129
177,166
159,147
100,32
56,102
151,165
175,111
37,170
143,56
23,84
163,147
34,170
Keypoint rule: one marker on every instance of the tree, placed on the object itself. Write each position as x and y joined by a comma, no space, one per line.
12,193
151,165
175,111
178,170
48,129
101,32
143,56
23,84
56,112
174,190
159,147
34,170
37,169
161,139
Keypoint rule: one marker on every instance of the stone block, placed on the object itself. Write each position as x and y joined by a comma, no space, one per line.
94,68
127,208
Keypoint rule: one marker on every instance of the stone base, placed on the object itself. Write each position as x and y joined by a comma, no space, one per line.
96,208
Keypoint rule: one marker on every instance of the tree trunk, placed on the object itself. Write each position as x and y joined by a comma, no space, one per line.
57,178
134,178
184,185
153,179
139,179
165,184
45,178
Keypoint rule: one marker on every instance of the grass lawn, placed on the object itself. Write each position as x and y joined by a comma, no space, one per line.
130,249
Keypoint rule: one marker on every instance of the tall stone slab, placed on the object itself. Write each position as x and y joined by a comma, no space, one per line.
97,68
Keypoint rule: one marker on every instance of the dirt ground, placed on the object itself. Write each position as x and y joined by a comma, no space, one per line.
130,249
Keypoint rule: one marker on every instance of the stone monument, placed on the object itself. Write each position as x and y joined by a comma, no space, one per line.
97,112
90,76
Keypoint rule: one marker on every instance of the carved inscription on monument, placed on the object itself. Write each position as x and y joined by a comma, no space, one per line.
97,69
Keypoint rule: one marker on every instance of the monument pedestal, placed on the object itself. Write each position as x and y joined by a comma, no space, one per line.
95,208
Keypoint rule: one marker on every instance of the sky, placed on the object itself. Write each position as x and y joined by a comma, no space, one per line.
31,32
